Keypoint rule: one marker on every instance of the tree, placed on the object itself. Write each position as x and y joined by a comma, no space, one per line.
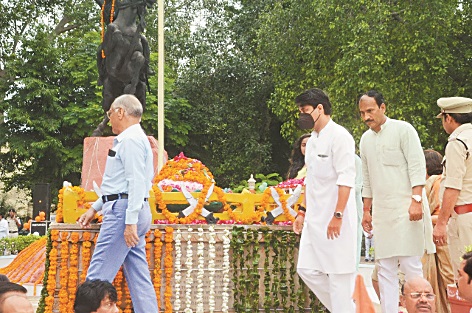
227,88
51,100
403,49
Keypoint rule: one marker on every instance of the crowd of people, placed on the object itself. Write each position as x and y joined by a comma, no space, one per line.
405,193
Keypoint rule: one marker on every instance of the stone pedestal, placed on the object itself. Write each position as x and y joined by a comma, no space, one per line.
259,276
95,157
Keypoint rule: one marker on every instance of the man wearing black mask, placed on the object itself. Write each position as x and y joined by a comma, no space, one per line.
330,225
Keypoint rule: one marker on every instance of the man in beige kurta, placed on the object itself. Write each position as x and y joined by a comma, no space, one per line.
394,173
456,185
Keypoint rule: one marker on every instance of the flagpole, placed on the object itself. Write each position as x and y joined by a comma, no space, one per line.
160,85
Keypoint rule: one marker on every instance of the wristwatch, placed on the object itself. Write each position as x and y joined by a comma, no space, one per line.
338,214
417,198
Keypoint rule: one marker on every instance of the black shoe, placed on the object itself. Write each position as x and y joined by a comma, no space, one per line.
366,259
211,219
270,218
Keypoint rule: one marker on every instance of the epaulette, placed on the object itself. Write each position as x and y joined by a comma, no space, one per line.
467,153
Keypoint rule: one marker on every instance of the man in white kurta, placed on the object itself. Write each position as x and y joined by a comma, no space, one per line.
328,247
394,173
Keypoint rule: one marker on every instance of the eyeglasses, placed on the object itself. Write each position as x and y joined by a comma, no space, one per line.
417,295
109,112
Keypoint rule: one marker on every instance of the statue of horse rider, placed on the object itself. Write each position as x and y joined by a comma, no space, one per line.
123,56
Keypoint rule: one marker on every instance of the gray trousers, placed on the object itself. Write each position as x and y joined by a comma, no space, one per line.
111,252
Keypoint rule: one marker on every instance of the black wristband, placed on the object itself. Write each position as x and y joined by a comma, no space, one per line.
301,208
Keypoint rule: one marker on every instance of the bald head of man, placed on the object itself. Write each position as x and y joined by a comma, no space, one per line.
418,297
16,304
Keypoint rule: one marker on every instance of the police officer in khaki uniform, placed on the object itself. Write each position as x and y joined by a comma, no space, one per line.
456,185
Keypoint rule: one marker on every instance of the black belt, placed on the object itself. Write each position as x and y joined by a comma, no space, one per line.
117,197
12,232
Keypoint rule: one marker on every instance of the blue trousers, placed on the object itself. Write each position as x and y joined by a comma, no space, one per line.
111,252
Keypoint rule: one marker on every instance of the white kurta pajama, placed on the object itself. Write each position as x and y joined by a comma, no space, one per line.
392,163
328,265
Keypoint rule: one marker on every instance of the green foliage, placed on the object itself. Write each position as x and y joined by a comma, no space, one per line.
15,245
272,179
233,69
270,274
50,97
403,49
44,291
227,87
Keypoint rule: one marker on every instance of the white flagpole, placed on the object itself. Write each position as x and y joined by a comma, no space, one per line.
160,85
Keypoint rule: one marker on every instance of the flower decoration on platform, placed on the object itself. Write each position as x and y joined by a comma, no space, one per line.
64,274
291,183
86,254
168,266
157,264
211,268
183,169
177,269
226,268
268,194
188,278
200,271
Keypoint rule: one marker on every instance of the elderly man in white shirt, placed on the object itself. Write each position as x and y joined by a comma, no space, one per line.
394,173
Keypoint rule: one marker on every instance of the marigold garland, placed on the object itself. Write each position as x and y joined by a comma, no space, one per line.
22,263
51,281
59,211
168,265
148,246
64,274
157,265
182,168
118,283
73,268
102,21
265,202
128,302
86,255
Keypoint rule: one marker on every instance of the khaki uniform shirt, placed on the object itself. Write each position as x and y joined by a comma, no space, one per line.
457,172
12,227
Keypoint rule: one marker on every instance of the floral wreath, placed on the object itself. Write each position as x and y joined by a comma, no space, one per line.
182,168
265,202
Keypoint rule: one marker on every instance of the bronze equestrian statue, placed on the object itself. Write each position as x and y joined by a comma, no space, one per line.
123,56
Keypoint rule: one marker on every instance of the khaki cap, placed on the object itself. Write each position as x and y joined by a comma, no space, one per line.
454,105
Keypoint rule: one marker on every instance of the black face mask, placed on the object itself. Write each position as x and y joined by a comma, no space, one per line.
306,121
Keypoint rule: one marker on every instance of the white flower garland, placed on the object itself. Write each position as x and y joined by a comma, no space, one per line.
200,272
177,270
189,280
211,268
226,264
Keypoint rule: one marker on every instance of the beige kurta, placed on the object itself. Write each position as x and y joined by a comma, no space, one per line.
392,163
